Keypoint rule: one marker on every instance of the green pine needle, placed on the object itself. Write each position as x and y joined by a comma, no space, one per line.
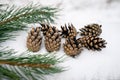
30,67
8,74
14,19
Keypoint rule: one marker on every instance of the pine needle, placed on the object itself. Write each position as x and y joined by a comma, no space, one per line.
32,67
14,19
32,64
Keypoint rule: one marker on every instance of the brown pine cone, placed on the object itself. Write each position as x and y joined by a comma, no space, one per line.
91,30
52,40
44,28
34,39
69,31
92,43
71,47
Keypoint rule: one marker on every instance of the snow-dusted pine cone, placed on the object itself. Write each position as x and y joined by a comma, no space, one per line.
72,47
91,30
92,43
52,39
68,31
34,40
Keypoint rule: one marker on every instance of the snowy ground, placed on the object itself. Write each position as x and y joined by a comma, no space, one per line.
89,65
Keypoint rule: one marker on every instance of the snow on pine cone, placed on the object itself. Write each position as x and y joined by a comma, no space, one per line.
34,39
68,31
91,30
52,40
92,43
71,47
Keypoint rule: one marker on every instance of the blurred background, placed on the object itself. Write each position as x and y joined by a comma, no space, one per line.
89,65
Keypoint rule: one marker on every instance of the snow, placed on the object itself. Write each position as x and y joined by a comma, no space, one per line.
89,65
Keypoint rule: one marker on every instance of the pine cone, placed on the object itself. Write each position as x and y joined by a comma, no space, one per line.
69,31
44,28
34,39
92,43
52,39
91,30
71,47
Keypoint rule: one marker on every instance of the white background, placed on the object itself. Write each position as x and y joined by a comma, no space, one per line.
89,65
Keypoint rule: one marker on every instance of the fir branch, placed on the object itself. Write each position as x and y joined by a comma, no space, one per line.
33,64
37,61
28,13
32,67
12,19
42,61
